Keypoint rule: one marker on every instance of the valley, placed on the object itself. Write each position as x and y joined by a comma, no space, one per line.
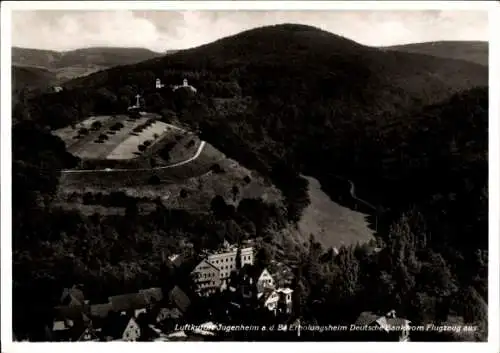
361,171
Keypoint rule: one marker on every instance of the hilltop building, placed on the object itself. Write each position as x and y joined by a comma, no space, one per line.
185,85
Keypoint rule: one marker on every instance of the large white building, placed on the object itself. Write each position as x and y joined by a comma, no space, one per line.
213,272
225,261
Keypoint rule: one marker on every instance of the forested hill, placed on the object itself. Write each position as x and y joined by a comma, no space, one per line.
35,70
98,56
473,51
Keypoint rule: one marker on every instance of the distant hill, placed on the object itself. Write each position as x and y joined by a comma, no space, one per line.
58,67
96,56
473,51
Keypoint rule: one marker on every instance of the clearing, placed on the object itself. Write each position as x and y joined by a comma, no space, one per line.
332,225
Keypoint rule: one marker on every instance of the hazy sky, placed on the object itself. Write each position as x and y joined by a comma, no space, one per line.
162,30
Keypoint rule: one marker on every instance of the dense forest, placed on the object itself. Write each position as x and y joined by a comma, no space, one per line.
409,130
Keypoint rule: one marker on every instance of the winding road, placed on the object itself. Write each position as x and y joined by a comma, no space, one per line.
111,170
352,191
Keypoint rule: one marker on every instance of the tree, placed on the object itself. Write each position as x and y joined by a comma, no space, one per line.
96,125
235,191
238,258
131,209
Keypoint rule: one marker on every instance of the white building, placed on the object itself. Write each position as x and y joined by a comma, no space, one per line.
272,298
158,83
206,277
264,281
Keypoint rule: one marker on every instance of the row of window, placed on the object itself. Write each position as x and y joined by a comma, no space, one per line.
232,259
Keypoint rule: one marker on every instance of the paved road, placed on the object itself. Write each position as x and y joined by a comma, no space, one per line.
110,170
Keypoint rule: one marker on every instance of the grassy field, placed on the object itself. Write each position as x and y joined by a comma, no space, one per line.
333,225
68,133
191,186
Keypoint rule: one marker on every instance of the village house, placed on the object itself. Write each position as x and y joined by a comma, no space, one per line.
132,304
177,298
71,323
213,272
391,327
72,296
176,260
265,280
121,328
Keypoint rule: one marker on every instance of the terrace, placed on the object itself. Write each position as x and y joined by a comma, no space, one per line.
142,135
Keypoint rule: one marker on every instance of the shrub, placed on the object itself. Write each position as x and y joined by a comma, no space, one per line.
154,180
141,148
96,125
217,169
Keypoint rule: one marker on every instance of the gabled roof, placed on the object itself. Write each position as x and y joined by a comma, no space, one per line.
176,260
368,318
205,262
117,325
179,299
72,295
152,295
389,324
73,313
266,293
127,302
90,332
100,310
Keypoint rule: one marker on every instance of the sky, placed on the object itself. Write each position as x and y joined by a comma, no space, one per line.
164,30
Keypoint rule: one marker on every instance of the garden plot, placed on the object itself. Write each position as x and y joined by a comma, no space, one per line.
68,133
129,148
100,150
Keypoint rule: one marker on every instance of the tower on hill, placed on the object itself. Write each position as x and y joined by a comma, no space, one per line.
185,85
159,84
